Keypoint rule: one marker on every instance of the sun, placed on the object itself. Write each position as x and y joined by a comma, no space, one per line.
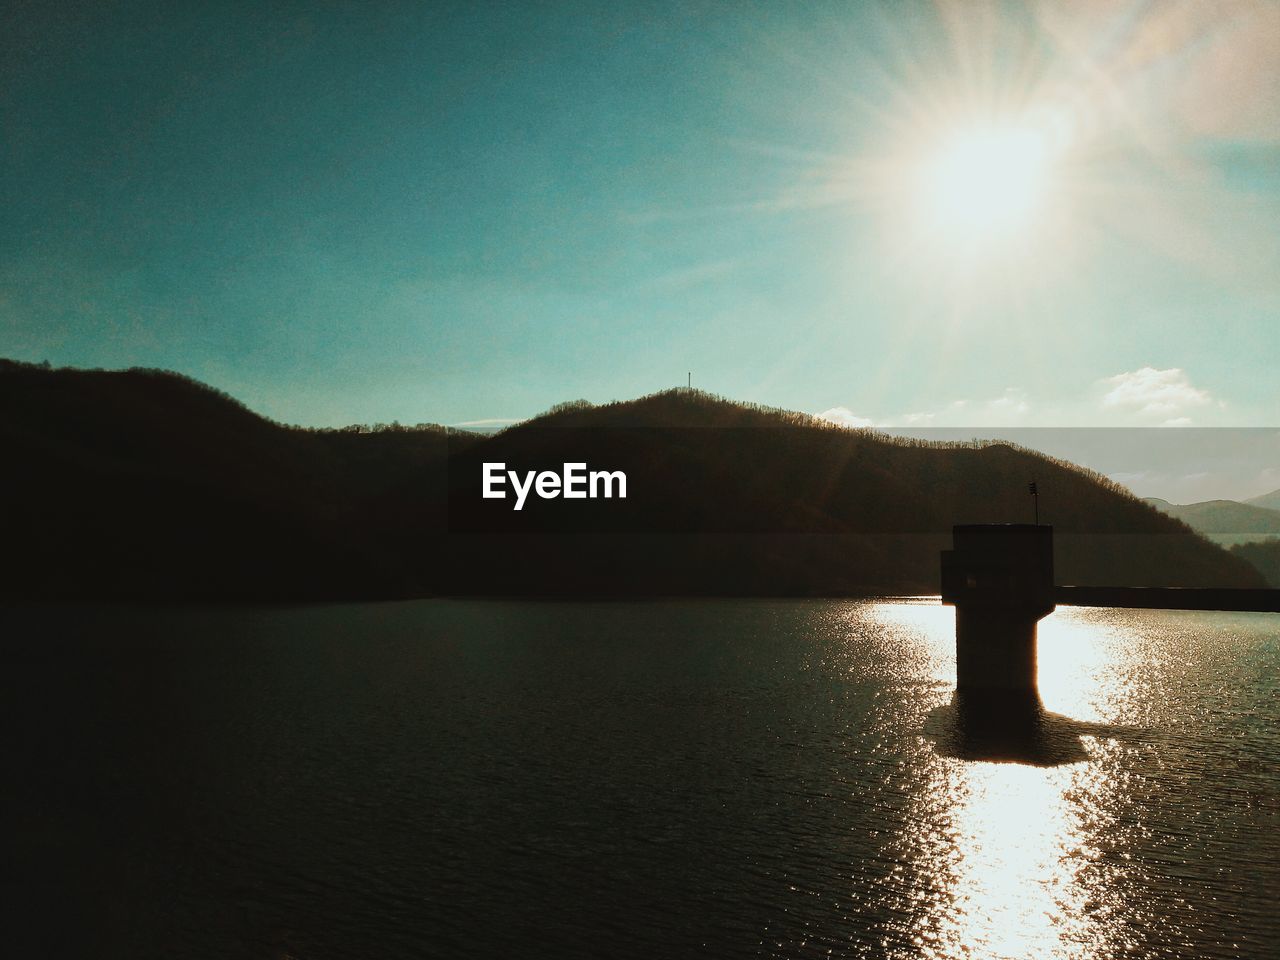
986,184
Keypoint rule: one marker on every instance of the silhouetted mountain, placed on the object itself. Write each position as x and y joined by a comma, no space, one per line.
1221,516
146,484
1264,556
1270,501
789,504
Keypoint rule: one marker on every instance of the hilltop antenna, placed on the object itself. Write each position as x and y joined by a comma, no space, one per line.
690,384
1035,496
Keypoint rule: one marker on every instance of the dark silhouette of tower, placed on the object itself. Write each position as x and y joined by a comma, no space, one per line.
1000,579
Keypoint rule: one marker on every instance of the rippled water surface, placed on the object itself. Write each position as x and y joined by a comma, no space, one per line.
719,778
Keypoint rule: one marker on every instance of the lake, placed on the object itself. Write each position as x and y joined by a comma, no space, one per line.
736,778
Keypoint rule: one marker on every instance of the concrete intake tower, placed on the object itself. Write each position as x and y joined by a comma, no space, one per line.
1000,579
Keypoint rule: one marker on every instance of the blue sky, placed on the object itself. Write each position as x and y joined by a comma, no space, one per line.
353,212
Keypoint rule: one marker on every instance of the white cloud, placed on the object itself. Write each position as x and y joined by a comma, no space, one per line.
494,423
1155,393
844,417
918,419
1177,422
1012,402
997,411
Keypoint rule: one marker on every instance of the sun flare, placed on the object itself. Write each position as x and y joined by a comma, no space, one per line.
986,183
984,186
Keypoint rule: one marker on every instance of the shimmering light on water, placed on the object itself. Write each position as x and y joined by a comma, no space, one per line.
734,779
1073,653
1030,854
1012,867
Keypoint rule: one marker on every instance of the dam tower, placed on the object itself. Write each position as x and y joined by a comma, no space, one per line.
999,577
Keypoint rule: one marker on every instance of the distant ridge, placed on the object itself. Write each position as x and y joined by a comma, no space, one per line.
144,484
1269,501
1222,516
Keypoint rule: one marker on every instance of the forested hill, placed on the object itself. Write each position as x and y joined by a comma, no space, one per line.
142,484
146,484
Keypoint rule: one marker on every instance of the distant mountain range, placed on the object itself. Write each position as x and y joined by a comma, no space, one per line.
143,485
1251,530
1224,516
1270,501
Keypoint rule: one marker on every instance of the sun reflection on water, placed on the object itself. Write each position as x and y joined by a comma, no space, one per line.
1013,858
1075,661
1014,876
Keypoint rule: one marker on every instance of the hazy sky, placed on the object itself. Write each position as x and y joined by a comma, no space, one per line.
897,213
